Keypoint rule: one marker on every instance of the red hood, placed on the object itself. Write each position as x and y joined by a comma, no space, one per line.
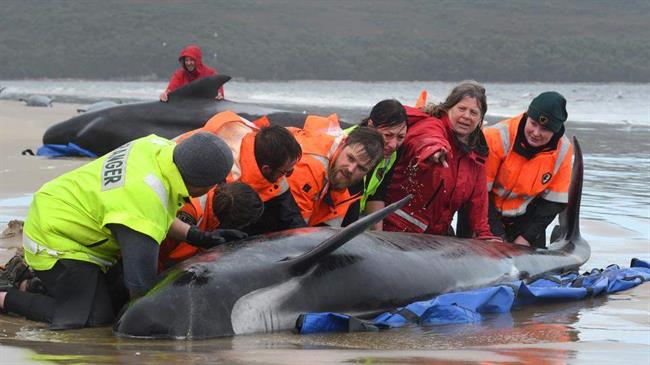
414,115
193,52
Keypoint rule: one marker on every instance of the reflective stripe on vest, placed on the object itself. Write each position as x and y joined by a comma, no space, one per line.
519,210
325,162
559,197
564,149
284,186
503,129
556,197
411,219
371,187
202,200
505,137
35,248
158,187
335,146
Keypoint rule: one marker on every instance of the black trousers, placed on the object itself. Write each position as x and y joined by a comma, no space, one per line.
78,295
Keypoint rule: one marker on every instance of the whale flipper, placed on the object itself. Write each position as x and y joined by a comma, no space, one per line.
311,257
571,216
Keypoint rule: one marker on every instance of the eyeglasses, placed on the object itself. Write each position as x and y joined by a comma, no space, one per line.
286,173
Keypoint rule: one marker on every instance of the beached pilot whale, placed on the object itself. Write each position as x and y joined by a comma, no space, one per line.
188,108
102,104
262,284
38,100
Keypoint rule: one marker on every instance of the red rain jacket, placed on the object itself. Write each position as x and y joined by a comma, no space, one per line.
182,77
438,192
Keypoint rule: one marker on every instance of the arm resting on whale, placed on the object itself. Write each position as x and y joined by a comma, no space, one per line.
544,214
182,231
209,239
280,213
494,218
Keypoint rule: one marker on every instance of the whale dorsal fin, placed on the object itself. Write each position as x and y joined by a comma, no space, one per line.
570,217
204,88
326,247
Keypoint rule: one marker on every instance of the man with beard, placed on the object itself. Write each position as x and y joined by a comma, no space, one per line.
329,165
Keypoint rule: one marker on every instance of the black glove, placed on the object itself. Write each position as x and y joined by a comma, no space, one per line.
209,239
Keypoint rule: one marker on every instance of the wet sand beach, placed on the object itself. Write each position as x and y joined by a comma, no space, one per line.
603,330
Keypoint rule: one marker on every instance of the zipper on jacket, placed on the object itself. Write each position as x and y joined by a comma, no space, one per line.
426,206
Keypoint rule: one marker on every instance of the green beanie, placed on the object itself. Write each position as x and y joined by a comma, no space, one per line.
549,110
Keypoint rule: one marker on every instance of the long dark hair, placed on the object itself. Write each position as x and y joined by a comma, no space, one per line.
386,113
236,205
469,88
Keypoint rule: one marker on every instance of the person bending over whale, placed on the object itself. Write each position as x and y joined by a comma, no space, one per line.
529,170
443,166
226,206
121,204
192,68
328,167
264,157
388,117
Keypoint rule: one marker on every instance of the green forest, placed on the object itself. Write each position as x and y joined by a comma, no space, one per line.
365,40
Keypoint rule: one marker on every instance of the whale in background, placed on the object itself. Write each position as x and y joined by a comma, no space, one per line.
188,108
38,100
263,283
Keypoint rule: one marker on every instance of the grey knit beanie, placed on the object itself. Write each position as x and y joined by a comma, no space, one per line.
203,159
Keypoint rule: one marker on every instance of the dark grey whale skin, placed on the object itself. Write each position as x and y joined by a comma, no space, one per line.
188,108
263,283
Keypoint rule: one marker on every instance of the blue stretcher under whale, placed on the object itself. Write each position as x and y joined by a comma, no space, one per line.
264,283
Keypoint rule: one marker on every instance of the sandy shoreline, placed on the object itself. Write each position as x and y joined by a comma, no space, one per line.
22,127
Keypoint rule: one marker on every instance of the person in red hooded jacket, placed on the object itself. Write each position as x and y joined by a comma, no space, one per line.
192,68
443,166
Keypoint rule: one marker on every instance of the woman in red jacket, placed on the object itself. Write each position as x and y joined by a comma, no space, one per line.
192,68
443,166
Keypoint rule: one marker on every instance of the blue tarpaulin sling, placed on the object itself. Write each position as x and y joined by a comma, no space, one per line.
466,307
62,150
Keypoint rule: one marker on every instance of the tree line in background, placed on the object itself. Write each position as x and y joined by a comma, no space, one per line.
358,40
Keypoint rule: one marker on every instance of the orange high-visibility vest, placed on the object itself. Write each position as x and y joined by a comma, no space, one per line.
239,135
328,125
513,181
309,182
199,211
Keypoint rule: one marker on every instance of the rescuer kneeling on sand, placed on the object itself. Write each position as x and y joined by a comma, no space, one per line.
122,204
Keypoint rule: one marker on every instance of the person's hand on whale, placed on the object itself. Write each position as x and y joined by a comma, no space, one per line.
208,239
